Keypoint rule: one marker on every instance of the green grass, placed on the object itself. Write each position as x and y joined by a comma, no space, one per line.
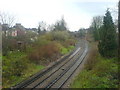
71,48
66,50
16,68
30,71
103,75
26,74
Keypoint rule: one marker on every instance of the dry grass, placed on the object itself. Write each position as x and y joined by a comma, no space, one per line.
93,52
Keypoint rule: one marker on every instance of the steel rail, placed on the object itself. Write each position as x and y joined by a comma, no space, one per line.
26,83
82,58
33,78
57,69
62,74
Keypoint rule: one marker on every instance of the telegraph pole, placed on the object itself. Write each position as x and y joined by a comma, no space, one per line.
119,30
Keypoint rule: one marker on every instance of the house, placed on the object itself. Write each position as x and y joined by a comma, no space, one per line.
14,33
18,30
5,28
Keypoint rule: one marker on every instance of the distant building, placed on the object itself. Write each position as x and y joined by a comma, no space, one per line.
19,26
31,29
18,30
14,33
5,27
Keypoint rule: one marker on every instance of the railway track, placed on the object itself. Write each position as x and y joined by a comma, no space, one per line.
69,72
59,73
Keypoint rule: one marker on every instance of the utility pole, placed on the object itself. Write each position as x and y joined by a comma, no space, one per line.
119,29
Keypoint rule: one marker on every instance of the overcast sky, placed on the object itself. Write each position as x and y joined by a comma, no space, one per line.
77,13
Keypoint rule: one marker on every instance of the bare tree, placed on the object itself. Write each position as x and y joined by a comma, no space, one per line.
97,22
6,18
42,27
61,25
50,27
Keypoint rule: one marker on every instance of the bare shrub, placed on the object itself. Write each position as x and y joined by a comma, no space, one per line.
92,57
45,52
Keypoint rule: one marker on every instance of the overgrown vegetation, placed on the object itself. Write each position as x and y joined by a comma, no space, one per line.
50,46
16,67
97,22
101,69
28,53
104,31
108,44
98,72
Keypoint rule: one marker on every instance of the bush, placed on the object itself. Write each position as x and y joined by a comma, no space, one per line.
60,35
41,41
69,42
14,65
92,58
45,52
42,49
105,65
104,74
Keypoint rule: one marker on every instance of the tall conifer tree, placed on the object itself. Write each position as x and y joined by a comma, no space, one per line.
108,45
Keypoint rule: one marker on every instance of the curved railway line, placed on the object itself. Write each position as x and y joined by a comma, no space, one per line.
59,73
